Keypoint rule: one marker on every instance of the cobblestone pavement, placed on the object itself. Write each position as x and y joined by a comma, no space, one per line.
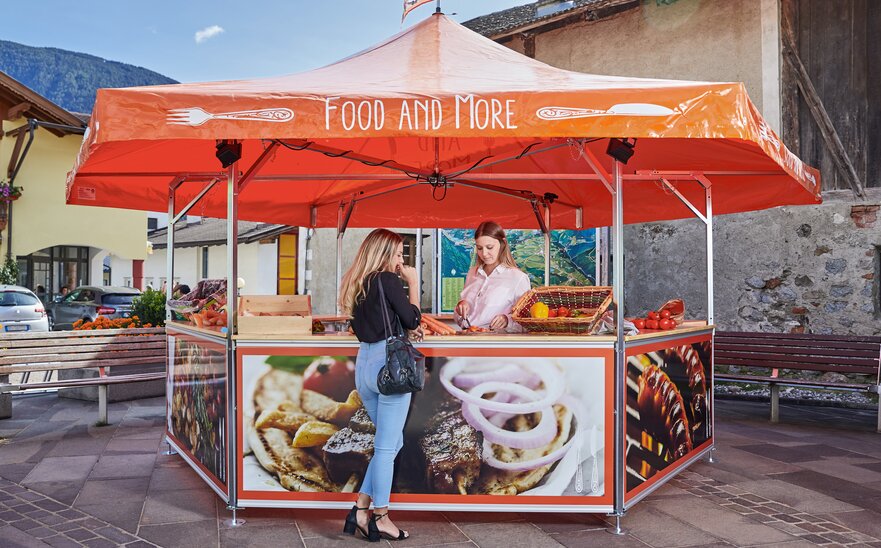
814,479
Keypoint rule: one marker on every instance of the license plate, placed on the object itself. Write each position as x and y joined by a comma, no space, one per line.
17,327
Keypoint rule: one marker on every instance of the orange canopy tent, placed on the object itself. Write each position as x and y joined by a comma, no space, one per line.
439,115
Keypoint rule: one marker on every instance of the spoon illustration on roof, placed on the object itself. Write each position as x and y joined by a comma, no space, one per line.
622,109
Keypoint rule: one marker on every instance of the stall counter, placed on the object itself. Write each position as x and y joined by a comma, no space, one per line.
503,456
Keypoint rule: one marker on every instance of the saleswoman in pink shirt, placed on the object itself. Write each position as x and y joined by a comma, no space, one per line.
493,286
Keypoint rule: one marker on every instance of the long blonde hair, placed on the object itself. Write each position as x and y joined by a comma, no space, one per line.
376,254
494,231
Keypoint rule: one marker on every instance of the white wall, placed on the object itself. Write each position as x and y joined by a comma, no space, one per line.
258,266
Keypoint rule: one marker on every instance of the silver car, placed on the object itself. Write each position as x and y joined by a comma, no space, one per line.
88,302
21,310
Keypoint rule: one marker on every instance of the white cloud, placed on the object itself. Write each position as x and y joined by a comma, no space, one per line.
208,32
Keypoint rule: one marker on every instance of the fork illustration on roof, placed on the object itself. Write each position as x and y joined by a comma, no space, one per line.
622,109
195,116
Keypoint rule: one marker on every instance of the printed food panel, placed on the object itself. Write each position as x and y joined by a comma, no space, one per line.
482,426
668,408
197,403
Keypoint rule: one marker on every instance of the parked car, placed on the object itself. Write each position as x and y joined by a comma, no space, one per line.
88,302
21,310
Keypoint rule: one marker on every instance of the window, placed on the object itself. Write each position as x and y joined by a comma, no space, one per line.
409,249
152,223
17,298
287,264
204,263
116,298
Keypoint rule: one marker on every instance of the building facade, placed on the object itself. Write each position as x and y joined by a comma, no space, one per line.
55,244
795,269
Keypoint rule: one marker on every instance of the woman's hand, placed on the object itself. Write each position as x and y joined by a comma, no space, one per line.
499,322
463,309
409,274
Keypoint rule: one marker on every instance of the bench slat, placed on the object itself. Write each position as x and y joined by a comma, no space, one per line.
723,356
81,348
72,383
82,333
798,337
871,353
801,366
36,344
39,360
791,382
88,364
796,345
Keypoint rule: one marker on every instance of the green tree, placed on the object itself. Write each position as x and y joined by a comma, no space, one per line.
9,272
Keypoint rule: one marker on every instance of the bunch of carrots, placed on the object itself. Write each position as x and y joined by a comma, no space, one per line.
433,326
208,317
103,322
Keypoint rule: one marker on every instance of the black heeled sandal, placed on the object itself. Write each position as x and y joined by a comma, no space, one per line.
402,535
352,524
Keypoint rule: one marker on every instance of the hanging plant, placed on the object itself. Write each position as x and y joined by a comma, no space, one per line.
9,192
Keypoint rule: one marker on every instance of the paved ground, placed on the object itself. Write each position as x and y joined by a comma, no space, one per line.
813,480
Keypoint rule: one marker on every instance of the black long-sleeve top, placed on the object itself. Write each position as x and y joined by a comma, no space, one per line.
367,321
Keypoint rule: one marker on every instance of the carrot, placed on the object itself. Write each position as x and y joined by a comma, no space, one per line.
437,326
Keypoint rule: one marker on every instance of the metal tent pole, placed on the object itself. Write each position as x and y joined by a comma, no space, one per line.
419,263
620,358
169,270
709,212
169,250
232,291
547,238
436,272
340,232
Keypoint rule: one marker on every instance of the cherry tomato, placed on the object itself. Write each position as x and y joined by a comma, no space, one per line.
552,313
333,378
639,323
562,312
664,314
651,323
666,323
653,315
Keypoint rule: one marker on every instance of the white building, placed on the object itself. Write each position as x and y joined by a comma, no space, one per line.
268,256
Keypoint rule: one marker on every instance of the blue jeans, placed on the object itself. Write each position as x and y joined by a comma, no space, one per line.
388,413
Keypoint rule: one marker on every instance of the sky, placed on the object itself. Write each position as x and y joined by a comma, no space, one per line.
198,40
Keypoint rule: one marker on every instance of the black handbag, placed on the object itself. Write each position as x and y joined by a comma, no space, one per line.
404,369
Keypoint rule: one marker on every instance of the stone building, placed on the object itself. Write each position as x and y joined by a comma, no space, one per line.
813,68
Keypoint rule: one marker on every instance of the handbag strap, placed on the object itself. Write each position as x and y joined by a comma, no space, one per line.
386,323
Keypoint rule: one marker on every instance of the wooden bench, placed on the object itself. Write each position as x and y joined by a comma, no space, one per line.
106,349
771,354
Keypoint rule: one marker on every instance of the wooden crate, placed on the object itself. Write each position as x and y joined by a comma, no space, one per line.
283,315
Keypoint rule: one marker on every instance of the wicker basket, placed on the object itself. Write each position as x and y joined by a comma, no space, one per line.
594,300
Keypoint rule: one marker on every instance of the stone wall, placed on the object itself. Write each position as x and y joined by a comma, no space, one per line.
789,269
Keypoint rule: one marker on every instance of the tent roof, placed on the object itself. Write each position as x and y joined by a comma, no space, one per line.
436,98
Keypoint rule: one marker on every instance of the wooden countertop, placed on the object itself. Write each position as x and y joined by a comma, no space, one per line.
686,328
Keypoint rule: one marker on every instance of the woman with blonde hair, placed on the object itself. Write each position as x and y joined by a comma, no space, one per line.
493,285
379,261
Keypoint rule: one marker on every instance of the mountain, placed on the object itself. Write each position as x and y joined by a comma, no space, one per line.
68,78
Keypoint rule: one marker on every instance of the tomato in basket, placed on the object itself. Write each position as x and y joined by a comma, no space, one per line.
552,313
562,312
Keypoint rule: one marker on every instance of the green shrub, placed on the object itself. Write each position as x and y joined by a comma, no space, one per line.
9,272
149,307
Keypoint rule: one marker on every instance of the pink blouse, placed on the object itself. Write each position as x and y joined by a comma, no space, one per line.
492,295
